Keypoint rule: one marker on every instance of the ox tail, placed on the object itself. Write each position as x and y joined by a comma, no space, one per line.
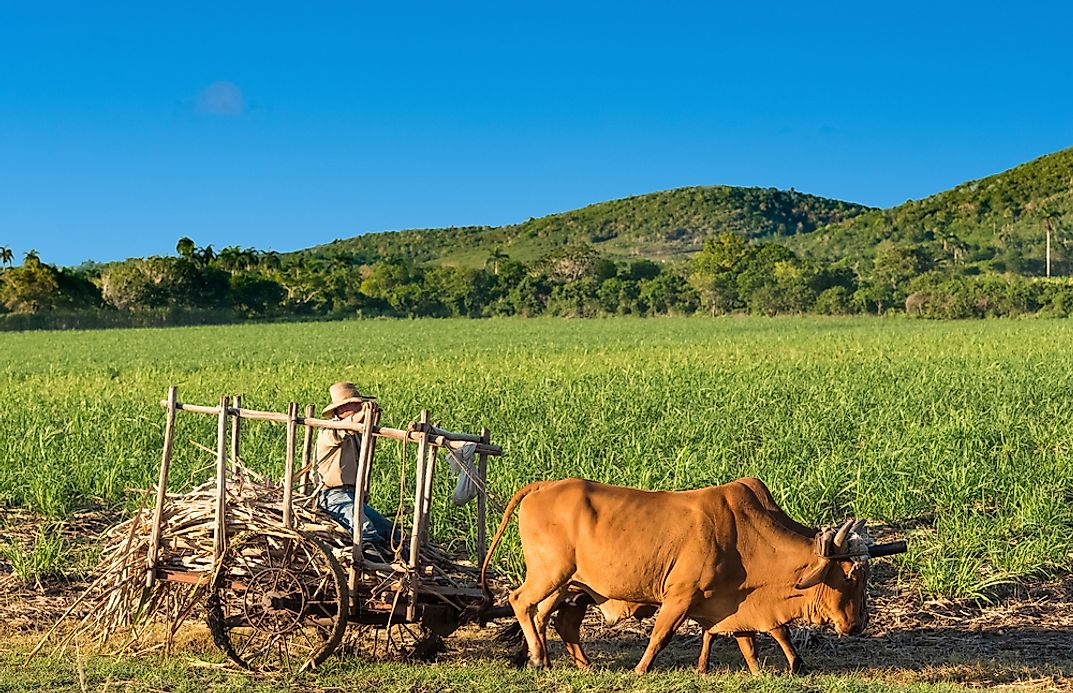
522,493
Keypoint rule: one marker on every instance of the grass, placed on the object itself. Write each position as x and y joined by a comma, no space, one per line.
954,433
182,675
50,556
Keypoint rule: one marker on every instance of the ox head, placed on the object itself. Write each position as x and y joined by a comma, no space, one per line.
839,573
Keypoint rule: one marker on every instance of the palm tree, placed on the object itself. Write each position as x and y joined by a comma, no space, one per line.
1050,222
494,258
6,255
228,258
270,260
247,258
185,247
953,245
205,255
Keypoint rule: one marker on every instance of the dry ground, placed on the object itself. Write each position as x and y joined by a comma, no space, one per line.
1023,640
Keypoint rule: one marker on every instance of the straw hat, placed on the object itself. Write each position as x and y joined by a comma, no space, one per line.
344,393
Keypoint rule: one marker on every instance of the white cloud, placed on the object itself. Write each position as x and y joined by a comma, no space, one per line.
221,98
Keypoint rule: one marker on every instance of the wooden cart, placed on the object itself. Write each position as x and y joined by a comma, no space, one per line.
279,597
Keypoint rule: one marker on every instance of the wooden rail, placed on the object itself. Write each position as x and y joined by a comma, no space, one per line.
437,436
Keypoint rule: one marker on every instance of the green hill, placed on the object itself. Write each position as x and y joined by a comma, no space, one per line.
995,222
660,226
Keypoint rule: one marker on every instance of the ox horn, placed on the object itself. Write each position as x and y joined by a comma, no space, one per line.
823,542
843,532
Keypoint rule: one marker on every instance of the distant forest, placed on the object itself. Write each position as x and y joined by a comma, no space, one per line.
729,275
998,246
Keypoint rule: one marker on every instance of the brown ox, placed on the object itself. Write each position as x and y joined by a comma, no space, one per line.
719,555
571,611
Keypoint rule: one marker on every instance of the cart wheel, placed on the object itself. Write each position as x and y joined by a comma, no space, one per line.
278,601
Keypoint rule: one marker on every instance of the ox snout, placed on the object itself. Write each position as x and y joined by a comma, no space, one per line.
854,626
849,628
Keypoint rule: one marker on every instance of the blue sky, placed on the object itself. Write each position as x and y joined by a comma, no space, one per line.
124,126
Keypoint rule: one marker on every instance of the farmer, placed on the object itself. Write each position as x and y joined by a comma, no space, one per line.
337,466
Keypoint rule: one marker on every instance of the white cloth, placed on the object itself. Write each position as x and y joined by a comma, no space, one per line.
460,457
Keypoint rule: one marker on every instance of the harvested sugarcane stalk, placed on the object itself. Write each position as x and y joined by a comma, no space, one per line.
118,602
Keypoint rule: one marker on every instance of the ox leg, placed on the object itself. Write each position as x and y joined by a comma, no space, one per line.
543,615
747,645
670,617
705,652
526,602
782,636
568,624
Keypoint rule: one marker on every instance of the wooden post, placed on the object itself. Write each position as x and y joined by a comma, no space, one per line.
307,453
359,487
482,498
219,535
419,505
234,436
372,444
288,473
426,507
162,487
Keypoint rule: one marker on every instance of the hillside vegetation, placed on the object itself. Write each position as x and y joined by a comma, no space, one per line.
658,226
997,223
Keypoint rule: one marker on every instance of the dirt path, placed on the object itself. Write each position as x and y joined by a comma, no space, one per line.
1023,641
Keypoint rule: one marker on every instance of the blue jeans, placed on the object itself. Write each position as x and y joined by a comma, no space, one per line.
339,503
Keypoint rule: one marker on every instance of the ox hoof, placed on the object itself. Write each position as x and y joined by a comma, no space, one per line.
536,665
520,658
798,668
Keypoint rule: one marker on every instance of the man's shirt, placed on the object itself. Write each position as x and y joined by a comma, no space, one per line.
337,456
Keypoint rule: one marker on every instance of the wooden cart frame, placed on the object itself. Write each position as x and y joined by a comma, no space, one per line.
287,583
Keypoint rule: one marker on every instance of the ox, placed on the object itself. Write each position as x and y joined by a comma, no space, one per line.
725,556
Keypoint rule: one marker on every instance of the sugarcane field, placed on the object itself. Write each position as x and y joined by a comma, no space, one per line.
674,504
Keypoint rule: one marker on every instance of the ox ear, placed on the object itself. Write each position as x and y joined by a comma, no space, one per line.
813,574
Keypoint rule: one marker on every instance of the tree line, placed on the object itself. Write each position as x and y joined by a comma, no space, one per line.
730,275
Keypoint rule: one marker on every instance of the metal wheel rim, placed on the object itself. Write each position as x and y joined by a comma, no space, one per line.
278,602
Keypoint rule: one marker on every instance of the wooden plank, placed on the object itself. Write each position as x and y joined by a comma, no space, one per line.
219,534
183,576
288,472
456,436
482,499
162,486
445,591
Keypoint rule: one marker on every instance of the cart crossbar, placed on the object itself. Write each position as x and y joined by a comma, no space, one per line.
437,436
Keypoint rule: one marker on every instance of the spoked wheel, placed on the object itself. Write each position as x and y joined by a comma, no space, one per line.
278,602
